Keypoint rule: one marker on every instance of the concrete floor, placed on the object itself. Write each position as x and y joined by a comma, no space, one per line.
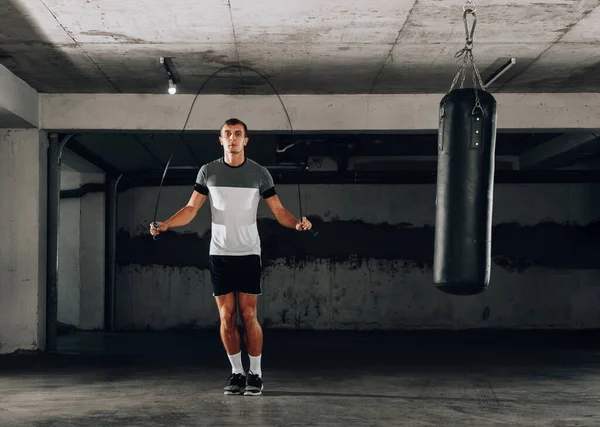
311,379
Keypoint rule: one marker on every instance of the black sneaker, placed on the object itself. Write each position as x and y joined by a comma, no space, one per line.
254,385
235,384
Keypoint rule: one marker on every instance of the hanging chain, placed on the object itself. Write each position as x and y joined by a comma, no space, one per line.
467,54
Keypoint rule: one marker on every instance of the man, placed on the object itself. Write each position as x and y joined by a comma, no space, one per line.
235,185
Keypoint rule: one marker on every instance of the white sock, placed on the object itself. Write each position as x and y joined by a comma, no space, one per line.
236,363
255,365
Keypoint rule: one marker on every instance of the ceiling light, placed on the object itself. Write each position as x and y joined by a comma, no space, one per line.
172,73
172,87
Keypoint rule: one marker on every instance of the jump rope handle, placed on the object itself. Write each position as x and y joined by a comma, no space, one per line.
313,232
155,224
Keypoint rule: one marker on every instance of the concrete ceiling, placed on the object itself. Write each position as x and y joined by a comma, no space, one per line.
307,46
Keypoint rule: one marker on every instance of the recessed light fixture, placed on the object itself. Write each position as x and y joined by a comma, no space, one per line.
172,75
172,87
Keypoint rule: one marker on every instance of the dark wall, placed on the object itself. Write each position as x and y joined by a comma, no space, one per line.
370,265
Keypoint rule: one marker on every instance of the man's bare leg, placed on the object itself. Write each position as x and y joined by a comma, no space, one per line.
254,342
253,332
230,335
231,341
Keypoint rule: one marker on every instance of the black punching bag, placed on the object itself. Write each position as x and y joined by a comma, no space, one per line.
464,196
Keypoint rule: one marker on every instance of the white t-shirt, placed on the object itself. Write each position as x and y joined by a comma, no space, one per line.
234,193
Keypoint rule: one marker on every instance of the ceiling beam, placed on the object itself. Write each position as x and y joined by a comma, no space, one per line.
548,155
89,156
18,102
78,163
542,112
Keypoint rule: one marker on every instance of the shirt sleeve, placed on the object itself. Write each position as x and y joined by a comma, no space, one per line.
200,185
267,186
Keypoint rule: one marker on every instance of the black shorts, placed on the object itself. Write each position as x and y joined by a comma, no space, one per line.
235,274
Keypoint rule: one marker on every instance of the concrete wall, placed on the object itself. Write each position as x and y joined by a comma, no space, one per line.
371,265
81,253
91,256
23,165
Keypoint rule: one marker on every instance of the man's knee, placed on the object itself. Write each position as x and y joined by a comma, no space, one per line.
248,315
228,317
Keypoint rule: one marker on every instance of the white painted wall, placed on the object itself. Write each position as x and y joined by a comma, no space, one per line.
80,291
368,293
23,165
69,274
91,257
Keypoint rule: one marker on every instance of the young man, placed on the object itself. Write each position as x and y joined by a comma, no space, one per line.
235,185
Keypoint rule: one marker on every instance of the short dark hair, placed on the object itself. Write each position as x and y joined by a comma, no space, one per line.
233,122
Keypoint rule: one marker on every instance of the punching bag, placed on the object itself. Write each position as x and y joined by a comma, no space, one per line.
464,194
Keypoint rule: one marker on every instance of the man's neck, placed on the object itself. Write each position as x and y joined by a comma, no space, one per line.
234,160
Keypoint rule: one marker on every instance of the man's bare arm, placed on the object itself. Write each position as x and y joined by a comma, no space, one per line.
183,217
284,217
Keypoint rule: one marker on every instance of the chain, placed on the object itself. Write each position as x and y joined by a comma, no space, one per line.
476,72
467,54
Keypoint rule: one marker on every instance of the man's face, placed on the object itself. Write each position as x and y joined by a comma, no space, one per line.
233,139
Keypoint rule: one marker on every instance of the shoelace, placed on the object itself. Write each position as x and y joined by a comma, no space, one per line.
252,377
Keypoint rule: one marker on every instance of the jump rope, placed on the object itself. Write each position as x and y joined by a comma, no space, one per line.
313,232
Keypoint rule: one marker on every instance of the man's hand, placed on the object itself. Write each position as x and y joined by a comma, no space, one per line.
304,225
162,227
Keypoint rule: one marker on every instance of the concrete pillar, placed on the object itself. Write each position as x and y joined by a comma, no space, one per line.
23,165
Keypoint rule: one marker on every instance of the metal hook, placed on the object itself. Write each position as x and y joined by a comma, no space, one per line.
468,35
470,5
